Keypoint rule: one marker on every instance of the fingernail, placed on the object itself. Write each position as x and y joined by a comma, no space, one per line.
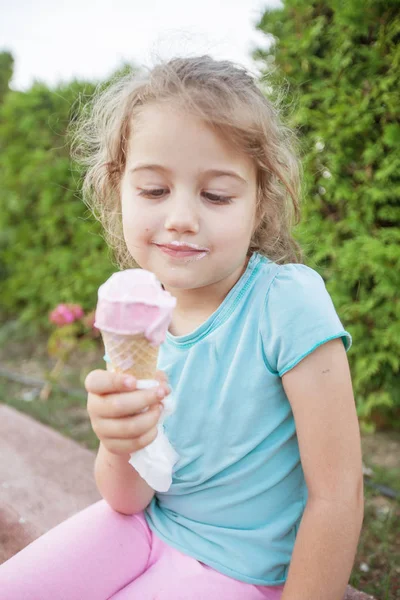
160,392
129,381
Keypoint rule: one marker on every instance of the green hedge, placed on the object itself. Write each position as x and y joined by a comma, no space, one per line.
339,63
51,249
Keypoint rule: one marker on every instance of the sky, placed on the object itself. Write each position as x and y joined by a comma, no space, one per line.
55,42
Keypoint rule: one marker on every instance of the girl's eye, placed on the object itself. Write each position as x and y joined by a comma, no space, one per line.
159,192
154,193
217,199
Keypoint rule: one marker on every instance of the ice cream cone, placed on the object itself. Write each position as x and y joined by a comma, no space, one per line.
133,314
131,354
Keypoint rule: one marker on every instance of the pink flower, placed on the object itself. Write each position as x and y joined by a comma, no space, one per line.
64,314
76,310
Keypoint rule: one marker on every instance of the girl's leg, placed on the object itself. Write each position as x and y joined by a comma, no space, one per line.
90,556
171,575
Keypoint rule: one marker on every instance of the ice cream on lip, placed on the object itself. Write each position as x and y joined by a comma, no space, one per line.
133,302
182,245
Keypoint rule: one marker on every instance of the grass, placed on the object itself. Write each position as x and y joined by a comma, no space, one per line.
379,547
376,568
62,412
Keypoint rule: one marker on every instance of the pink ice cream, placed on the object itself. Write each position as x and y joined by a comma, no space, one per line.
133,302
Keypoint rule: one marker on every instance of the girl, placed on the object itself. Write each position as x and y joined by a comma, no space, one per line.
195,178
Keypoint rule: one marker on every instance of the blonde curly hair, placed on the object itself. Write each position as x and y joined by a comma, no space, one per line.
229,100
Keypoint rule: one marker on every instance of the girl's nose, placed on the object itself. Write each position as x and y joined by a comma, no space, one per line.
182,215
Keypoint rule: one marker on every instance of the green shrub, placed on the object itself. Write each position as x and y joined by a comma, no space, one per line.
339,63
51,249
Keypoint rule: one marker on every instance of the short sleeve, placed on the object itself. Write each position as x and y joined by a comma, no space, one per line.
298,316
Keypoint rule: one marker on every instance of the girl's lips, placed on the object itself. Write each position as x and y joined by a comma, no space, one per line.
183,252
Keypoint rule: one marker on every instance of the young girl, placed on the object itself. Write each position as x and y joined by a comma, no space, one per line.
195,179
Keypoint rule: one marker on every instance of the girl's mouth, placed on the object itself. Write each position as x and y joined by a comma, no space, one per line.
182,251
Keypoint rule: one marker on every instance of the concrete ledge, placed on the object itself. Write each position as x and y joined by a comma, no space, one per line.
15,533
352,594
44,479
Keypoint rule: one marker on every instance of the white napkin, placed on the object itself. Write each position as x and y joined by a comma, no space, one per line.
155,462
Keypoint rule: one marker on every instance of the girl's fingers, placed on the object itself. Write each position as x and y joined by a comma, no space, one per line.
161,376
117,446
107,382
114,406
102,382
128,428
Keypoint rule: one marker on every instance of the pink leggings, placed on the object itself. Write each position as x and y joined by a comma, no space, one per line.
100,554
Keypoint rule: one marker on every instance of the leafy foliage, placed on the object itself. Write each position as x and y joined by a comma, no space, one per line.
339,63
6,72
51,250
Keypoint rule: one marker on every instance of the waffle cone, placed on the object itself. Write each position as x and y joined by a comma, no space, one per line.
131,354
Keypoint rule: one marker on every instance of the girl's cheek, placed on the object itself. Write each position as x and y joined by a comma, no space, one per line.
138,231
131,216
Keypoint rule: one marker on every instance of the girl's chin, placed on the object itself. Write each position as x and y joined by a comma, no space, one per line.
170,283
181,281
177,276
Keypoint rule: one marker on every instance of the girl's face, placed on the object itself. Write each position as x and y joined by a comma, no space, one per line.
188,200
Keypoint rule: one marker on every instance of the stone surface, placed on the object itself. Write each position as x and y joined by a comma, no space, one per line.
15,532
44,479
352,594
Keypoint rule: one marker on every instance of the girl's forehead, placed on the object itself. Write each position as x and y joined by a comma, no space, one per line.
163,132
151,117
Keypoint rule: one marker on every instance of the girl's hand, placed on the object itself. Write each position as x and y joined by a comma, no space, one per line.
123,418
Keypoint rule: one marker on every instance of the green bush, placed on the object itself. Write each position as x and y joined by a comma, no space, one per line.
51,249
339,64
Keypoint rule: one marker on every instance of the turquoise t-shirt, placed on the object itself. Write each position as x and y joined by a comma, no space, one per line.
238,491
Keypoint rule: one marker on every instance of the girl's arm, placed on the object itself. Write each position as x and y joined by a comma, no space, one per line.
119,484
320,392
